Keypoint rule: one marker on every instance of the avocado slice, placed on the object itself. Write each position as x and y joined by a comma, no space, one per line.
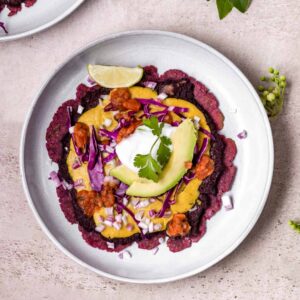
184,141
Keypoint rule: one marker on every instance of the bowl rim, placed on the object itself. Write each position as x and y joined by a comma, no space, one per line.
43,27
270,154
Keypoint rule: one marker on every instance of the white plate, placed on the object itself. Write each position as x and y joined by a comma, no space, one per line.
42,15
243,110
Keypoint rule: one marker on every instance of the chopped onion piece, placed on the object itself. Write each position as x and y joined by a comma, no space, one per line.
108,223
110,218
110,245
242,135
117,225
76,164
100,228
171,108
125,201
100,219
143,204
157,227
71,130
162,96
167,214
139,215
152,213
78,183
66,185
129,227
54,177
152,200
107,122
143,225
80,109
145,230
118,218
151,227
124,220
90,80
109,211
227,202
135,201
150,84
196,122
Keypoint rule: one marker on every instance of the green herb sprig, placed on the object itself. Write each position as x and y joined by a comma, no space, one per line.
149,167
272,92
226,6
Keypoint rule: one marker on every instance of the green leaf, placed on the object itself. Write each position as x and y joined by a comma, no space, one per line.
224,8
149,168
152,123
163,154
241,5
166,140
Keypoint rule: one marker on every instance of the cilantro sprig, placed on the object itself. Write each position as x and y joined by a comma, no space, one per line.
149,167
226,6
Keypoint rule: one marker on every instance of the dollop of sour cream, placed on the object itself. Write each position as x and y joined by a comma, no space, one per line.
140,142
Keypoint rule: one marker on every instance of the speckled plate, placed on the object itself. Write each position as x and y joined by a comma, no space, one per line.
242,109
42,15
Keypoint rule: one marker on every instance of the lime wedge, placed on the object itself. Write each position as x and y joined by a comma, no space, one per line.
115,77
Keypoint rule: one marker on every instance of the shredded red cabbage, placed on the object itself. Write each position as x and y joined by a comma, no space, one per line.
121,189
110,134
166,203
95,165
207,133
109,157
202,149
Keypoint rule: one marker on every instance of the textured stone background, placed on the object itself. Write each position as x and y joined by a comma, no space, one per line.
267,264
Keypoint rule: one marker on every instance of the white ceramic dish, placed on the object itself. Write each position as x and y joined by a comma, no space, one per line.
243,110
42,15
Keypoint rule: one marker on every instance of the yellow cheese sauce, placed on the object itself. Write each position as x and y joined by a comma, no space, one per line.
186,197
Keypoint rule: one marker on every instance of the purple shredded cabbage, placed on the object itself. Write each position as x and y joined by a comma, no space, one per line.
166,203
95,165
110,134
109,157
207,133
202,149
121,189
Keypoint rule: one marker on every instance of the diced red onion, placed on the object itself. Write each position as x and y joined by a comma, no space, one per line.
90,80
100,219
110,245
171,108
242,135
118,218
107,122
155,251
109,211
125,201
71,130
139,215
196,122
78,183
110,218
151,227
100,228
144,231
134,202
162,96
80,109
117,225
76,164
143,225
143,204
167,214
103,96
124,220
227,202
152,200
66,185
157,227
152,213
108,223
129,227
193,209
54,177
150,84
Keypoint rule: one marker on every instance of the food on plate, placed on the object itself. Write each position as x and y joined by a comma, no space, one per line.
140,158
14,6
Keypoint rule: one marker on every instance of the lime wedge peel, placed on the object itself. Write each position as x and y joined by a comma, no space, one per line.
115,77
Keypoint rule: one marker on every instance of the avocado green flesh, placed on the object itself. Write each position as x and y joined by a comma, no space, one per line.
184,141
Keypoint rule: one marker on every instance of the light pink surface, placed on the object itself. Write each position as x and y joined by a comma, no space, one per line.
267,264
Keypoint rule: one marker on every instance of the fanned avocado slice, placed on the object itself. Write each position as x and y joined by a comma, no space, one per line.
184,141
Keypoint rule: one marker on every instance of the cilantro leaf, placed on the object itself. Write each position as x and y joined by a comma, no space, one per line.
149,168
152,123
163,154
166,140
